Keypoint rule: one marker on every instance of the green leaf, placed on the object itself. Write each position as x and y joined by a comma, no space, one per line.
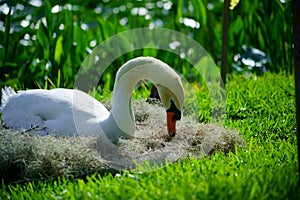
261,38
58,49
43,39
69,30
180,9
238,25
49,17
200,12
58,78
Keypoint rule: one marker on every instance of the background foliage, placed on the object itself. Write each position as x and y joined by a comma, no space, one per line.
45,42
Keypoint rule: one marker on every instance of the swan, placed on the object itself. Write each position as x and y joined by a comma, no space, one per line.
73,112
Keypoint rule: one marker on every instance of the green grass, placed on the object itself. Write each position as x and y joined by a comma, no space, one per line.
260,108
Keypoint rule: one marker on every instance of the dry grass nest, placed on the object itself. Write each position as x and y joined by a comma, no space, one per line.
28,156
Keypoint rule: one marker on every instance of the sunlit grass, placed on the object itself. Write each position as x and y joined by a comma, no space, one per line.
265,168
261,172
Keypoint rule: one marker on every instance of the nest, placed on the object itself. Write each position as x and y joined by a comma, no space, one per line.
28,156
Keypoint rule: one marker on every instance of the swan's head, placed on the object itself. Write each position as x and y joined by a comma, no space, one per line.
172,101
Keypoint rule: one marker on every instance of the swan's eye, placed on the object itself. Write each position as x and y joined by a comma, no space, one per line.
177,116
174,109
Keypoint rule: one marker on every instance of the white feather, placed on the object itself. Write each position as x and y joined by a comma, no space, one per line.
68,112
7,93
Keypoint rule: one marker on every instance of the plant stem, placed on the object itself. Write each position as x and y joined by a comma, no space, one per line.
225,41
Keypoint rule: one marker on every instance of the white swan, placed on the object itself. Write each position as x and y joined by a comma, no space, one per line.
68,112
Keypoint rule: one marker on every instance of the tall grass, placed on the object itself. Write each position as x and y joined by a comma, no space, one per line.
48,40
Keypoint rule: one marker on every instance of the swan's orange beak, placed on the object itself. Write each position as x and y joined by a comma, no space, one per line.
173,114
171,123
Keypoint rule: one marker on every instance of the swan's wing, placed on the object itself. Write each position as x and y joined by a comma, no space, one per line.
51,110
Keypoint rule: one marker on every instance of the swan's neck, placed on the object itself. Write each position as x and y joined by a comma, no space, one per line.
121,120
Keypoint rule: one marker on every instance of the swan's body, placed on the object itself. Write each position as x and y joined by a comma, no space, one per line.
50,111
73,112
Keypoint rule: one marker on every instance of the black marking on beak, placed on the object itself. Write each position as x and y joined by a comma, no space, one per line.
174,109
